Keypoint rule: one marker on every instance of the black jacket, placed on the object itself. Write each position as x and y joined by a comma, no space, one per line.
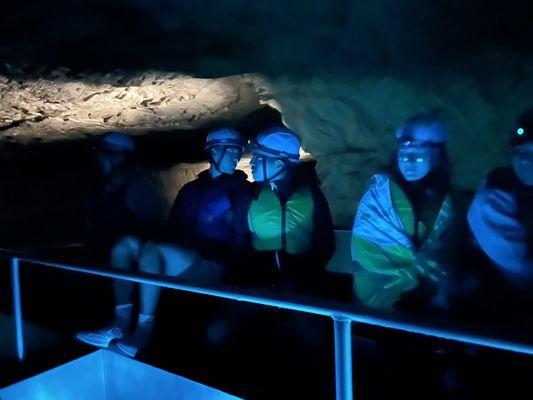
125,203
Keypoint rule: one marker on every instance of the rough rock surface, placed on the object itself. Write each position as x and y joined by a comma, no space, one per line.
59,107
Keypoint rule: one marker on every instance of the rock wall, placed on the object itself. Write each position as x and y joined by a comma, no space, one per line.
348,122
60,106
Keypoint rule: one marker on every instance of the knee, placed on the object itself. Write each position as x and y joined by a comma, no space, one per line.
178,260
124,252
150,259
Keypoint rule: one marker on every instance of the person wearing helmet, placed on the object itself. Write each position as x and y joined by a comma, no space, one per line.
210,210
125,210
400,238
501,214
205,230
125,202
289,217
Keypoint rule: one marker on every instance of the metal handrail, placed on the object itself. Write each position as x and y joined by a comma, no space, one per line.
342,316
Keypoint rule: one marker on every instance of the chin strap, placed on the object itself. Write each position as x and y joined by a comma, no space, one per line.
270,179
216,163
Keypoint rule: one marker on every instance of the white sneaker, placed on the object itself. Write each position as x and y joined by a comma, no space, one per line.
127,348
102,337
136,342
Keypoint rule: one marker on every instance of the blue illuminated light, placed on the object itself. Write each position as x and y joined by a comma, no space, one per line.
106,375
17,307
520,131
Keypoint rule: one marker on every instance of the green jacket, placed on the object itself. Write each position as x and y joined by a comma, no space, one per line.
277,226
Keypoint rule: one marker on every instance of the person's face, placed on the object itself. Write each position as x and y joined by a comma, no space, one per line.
107,160
227,160
415,162
523,163
271,165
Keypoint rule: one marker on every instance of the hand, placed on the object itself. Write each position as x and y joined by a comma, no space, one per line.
404,275
429,268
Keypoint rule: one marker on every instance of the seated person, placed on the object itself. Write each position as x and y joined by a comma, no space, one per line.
125,210
125,202
501,214
400,238
205,227
289,218
209,213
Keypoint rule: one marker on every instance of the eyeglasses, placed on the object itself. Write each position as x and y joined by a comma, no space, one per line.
228,149
234,150
412,158
411,155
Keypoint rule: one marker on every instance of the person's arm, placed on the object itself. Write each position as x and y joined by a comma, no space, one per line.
180,225
240,242
241,201
438,256
323,237
384,273
493,220
392,260
147,205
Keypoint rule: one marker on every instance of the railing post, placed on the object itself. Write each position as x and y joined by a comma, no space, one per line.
17,307
343,358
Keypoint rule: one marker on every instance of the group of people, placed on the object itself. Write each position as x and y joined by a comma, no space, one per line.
418,245
221,228
407,238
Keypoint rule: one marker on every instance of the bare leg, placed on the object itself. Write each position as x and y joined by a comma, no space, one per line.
123,256
155,259
150,261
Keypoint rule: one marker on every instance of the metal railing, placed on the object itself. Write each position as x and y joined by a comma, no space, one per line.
342,316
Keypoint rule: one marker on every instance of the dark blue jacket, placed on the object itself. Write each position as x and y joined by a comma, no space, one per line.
210,216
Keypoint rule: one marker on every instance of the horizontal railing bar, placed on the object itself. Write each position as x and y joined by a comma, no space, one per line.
440,333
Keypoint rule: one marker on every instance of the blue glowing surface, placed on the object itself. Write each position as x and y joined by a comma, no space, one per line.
104,375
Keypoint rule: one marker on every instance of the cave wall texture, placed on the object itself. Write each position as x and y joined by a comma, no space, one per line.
344,74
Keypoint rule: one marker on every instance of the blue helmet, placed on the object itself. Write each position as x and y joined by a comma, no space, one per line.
224,137
423,129
278,142
115,142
